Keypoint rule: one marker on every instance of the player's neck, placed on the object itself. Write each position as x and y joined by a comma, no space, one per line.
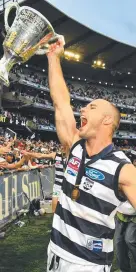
96,145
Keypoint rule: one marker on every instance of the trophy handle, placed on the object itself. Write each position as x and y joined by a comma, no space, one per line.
7,11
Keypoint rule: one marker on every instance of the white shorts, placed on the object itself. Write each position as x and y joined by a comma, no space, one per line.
56,264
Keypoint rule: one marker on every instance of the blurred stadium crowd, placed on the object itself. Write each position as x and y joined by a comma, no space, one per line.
21,154
86,90
32,88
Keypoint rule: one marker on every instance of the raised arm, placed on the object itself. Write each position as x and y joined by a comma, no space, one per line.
64,117
17,164
40,155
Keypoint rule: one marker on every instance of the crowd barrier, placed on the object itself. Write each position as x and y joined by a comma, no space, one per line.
13,185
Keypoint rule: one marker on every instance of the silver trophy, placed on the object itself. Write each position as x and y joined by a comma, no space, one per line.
31,33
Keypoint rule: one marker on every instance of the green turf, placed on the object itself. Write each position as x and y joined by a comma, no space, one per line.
24,249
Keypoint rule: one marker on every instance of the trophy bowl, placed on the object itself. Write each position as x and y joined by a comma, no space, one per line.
24,38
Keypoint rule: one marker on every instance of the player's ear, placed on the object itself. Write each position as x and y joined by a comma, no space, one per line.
108,120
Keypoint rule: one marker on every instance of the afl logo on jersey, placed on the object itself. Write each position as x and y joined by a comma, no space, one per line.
57,163
74,164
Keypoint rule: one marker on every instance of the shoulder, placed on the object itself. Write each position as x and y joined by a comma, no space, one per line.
77,148
118,156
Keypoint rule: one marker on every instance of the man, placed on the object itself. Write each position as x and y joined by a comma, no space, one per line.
60,163
9,165
9,157
125,232
97,180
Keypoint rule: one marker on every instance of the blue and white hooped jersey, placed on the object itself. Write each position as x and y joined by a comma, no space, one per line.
83,231
60,163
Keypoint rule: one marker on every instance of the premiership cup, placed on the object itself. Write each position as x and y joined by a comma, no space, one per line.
30,33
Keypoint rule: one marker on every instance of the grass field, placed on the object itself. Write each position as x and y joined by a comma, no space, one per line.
24,249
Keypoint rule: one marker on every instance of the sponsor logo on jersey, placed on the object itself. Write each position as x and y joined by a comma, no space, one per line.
94,174
95,245
71,172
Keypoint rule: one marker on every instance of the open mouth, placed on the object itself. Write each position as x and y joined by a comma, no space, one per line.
83,121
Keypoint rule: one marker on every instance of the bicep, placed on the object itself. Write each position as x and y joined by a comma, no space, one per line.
66,125
36,155
127,182
11,166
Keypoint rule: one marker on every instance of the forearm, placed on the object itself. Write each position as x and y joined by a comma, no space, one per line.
36,155
16,165
33,155
64,117
58,89
54,203
49,156
43,156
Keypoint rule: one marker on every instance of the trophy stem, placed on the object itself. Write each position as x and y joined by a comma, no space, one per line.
6,63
